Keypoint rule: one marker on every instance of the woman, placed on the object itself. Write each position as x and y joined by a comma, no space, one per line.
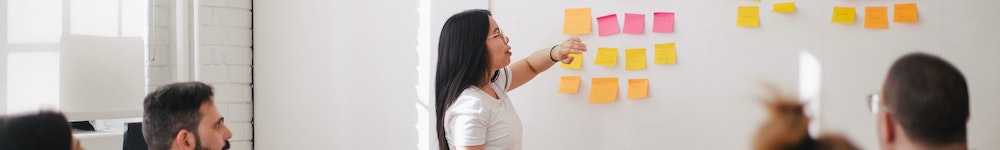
473,78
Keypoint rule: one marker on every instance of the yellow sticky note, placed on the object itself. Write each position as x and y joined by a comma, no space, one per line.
906,13
843,15
606,56
875,18
635,59
569,84
576,21
785,7
638,88
603,90
748,16
666,53
577,62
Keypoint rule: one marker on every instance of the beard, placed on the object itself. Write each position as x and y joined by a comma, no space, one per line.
198,146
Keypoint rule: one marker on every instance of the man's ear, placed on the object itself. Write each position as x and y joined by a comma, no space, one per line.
888,128
184,140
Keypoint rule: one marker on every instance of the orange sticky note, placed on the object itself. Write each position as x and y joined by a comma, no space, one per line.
786,7
606,56
666,53
843,15
603,90
875,18
906,13
576,21
635,59
569,84
638,88
748,16
577,62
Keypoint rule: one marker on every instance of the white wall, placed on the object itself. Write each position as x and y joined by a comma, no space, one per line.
335,74
350,74
708,99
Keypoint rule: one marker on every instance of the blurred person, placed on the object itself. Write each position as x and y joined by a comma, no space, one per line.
923,104
787,128
44,130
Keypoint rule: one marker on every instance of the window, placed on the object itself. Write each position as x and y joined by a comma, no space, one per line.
85,58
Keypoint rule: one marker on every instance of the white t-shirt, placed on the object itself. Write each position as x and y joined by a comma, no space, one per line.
476,118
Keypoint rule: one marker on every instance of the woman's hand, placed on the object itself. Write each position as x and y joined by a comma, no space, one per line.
572,45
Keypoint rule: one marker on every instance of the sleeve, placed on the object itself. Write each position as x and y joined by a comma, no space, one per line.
503,78
468,120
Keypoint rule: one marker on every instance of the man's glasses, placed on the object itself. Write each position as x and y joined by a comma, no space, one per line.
874,101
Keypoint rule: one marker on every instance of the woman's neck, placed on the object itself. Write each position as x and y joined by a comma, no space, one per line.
486,87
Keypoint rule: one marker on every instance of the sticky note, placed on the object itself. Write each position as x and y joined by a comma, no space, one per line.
663,22
666,53
634,23
748,16
876,18
607,25
843,15
606,56
638,88
786,7
576,21
635,59
603,90
906,13
577,62
569,84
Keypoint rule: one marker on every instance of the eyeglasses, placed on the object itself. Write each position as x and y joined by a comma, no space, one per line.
499,34
874,102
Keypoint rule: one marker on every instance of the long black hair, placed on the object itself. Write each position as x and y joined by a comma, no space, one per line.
463,61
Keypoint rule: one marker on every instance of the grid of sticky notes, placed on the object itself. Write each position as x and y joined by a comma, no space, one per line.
605,89
875,17
578,21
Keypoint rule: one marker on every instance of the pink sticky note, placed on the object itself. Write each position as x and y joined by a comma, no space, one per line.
663,22
608,25
634,23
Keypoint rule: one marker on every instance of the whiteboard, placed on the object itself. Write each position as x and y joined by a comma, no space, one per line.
708,100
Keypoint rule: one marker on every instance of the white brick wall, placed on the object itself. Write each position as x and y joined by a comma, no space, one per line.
224,60
161,45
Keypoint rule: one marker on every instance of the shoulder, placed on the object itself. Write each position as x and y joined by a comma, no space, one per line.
470,102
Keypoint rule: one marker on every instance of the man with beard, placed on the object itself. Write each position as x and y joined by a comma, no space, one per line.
183,116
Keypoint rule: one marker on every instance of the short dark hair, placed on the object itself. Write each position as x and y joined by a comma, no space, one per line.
170,108
929,99
42,130
463,61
